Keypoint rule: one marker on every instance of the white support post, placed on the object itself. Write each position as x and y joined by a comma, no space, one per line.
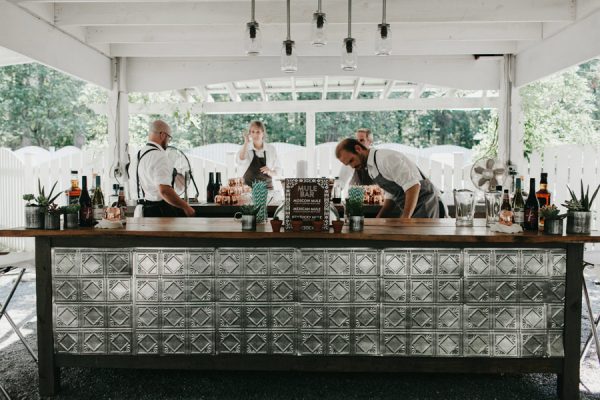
118,124
517,133
504,112
311,143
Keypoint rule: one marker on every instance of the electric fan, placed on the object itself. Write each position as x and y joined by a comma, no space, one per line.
487,173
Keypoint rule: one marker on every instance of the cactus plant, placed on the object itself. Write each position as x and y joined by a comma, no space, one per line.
354,203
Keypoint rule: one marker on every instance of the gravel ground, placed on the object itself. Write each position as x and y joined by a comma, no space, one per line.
18,374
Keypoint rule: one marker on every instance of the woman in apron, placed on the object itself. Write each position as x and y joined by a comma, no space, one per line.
257,159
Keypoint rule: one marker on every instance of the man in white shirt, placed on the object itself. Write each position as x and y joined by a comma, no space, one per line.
155,177
404,184
357,177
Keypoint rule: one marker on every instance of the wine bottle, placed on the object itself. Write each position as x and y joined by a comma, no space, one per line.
518,204
506,214
532,208
85,203
98,201
74,192
210,188
217,186
122,204
543,196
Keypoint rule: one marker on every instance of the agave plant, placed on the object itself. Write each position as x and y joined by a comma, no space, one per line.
42,200
551,212
584,202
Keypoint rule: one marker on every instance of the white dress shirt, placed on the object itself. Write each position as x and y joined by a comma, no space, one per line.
394,166
272,160
154,169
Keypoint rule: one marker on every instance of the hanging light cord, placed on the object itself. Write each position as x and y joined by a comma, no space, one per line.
252,7
319,6
288,20
349,18
383,18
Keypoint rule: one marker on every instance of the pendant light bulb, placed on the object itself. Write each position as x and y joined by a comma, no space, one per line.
318,30
383,37
289,59
252,35
349,54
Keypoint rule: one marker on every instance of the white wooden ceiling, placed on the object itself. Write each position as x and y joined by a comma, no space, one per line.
207,35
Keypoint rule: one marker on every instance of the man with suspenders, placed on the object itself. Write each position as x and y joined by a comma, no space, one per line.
360,177
155,178
404,184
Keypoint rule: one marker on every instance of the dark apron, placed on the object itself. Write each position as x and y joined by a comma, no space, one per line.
154,208
428,204
253,172
362,177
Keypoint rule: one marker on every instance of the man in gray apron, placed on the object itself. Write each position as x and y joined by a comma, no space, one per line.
155,177
405,185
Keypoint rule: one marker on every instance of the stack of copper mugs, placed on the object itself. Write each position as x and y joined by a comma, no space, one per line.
233,193
373,194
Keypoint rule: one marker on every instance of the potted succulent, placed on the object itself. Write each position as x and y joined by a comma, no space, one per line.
276,224
34,218
52,216
71,215
317,224
553,220
247,215
354,208
297,224
579,214
337,224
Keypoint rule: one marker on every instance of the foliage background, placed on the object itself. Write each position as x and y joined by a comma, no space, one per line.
42,107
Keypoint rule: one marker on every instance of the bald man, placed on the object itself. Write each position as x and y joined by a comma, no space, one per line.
155,178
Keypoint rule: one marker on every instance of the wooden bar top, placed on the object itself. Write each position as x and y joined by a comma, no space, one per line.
401,230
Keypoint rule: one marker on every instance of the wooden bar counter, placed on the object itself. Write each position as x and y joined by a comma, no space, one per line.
403,295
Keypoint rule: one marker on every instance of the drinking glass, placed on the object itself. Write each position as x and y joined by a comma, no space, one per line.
493,201
464,203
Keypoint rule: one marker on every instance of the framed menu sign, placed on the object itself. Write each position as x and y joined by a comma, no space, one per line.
307,199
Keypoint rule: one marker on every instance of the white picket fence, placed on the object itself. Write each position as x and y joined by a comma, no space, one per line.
448,167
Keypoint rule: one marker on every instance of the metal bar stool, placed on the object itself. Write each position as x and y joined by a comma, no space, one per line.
590,258
3,313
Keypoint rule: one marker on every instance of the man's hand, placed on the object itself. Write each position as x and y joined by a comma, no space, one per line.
265,170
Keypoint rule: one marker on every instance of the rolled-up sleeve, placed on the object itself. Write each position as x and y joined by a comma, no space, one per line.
273,161
162,171
400,169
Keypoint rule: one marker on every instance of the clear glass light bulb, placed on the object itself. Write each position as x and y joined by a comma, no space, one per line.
252,39
383,40
289,59
349,55
318,30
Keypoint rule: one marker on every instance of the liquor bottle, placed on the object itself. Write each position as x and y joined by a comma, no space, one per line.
543,196
532,208
85,203
336,197
122,204
98,201
506,214
217,186
518,204
210,188
74,192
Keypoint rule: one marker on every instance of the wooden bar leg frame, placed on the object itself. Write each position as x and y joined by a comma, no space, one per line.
568,380
49,374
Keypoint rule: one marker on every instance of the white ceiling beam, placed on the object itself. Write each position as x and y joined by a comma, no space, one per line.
325,87
357,87
575,44
462,72
177,13
206,97
416,93
37,39
389,86
233,49
293,88
263,90
451,93
489,31
233,94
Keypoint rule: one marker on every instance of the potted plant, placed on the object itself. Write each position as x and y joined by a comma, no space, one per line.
553,220
33,213
52,217
276,224
71,215
337,224
354,208
318,224
297,224
44,202
579,214
247,215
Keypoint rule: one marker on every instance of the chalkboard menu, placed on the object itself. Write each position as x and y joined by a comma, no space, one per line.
307,199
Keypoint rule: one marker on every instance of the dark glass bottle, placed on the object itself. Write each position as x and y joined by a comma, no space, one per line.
98,201
532,208
506,214
86,217
210,188
518,204
217,186
543,196
74,191
122,204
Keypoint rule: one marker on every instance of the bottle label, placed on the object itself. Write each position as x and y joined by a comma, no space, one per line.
519,216
85,216
98,213
531,218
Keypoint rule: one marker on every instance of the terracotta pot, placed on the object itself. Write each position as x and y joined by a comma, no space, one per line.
276,225
337,225
297,226
318,225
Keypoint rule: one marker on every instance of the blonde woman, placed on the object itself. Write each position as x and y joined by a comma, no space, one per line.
258,159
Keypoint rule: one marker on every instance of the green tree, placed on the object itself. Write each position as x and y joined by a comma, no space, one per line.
44,107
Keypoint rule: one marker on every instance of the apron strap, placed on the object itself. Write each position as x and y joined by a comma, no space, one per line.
137,167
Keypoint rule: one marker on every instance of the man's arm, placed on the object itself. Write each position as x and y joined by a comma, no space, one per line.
388,205
169,195
411,196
